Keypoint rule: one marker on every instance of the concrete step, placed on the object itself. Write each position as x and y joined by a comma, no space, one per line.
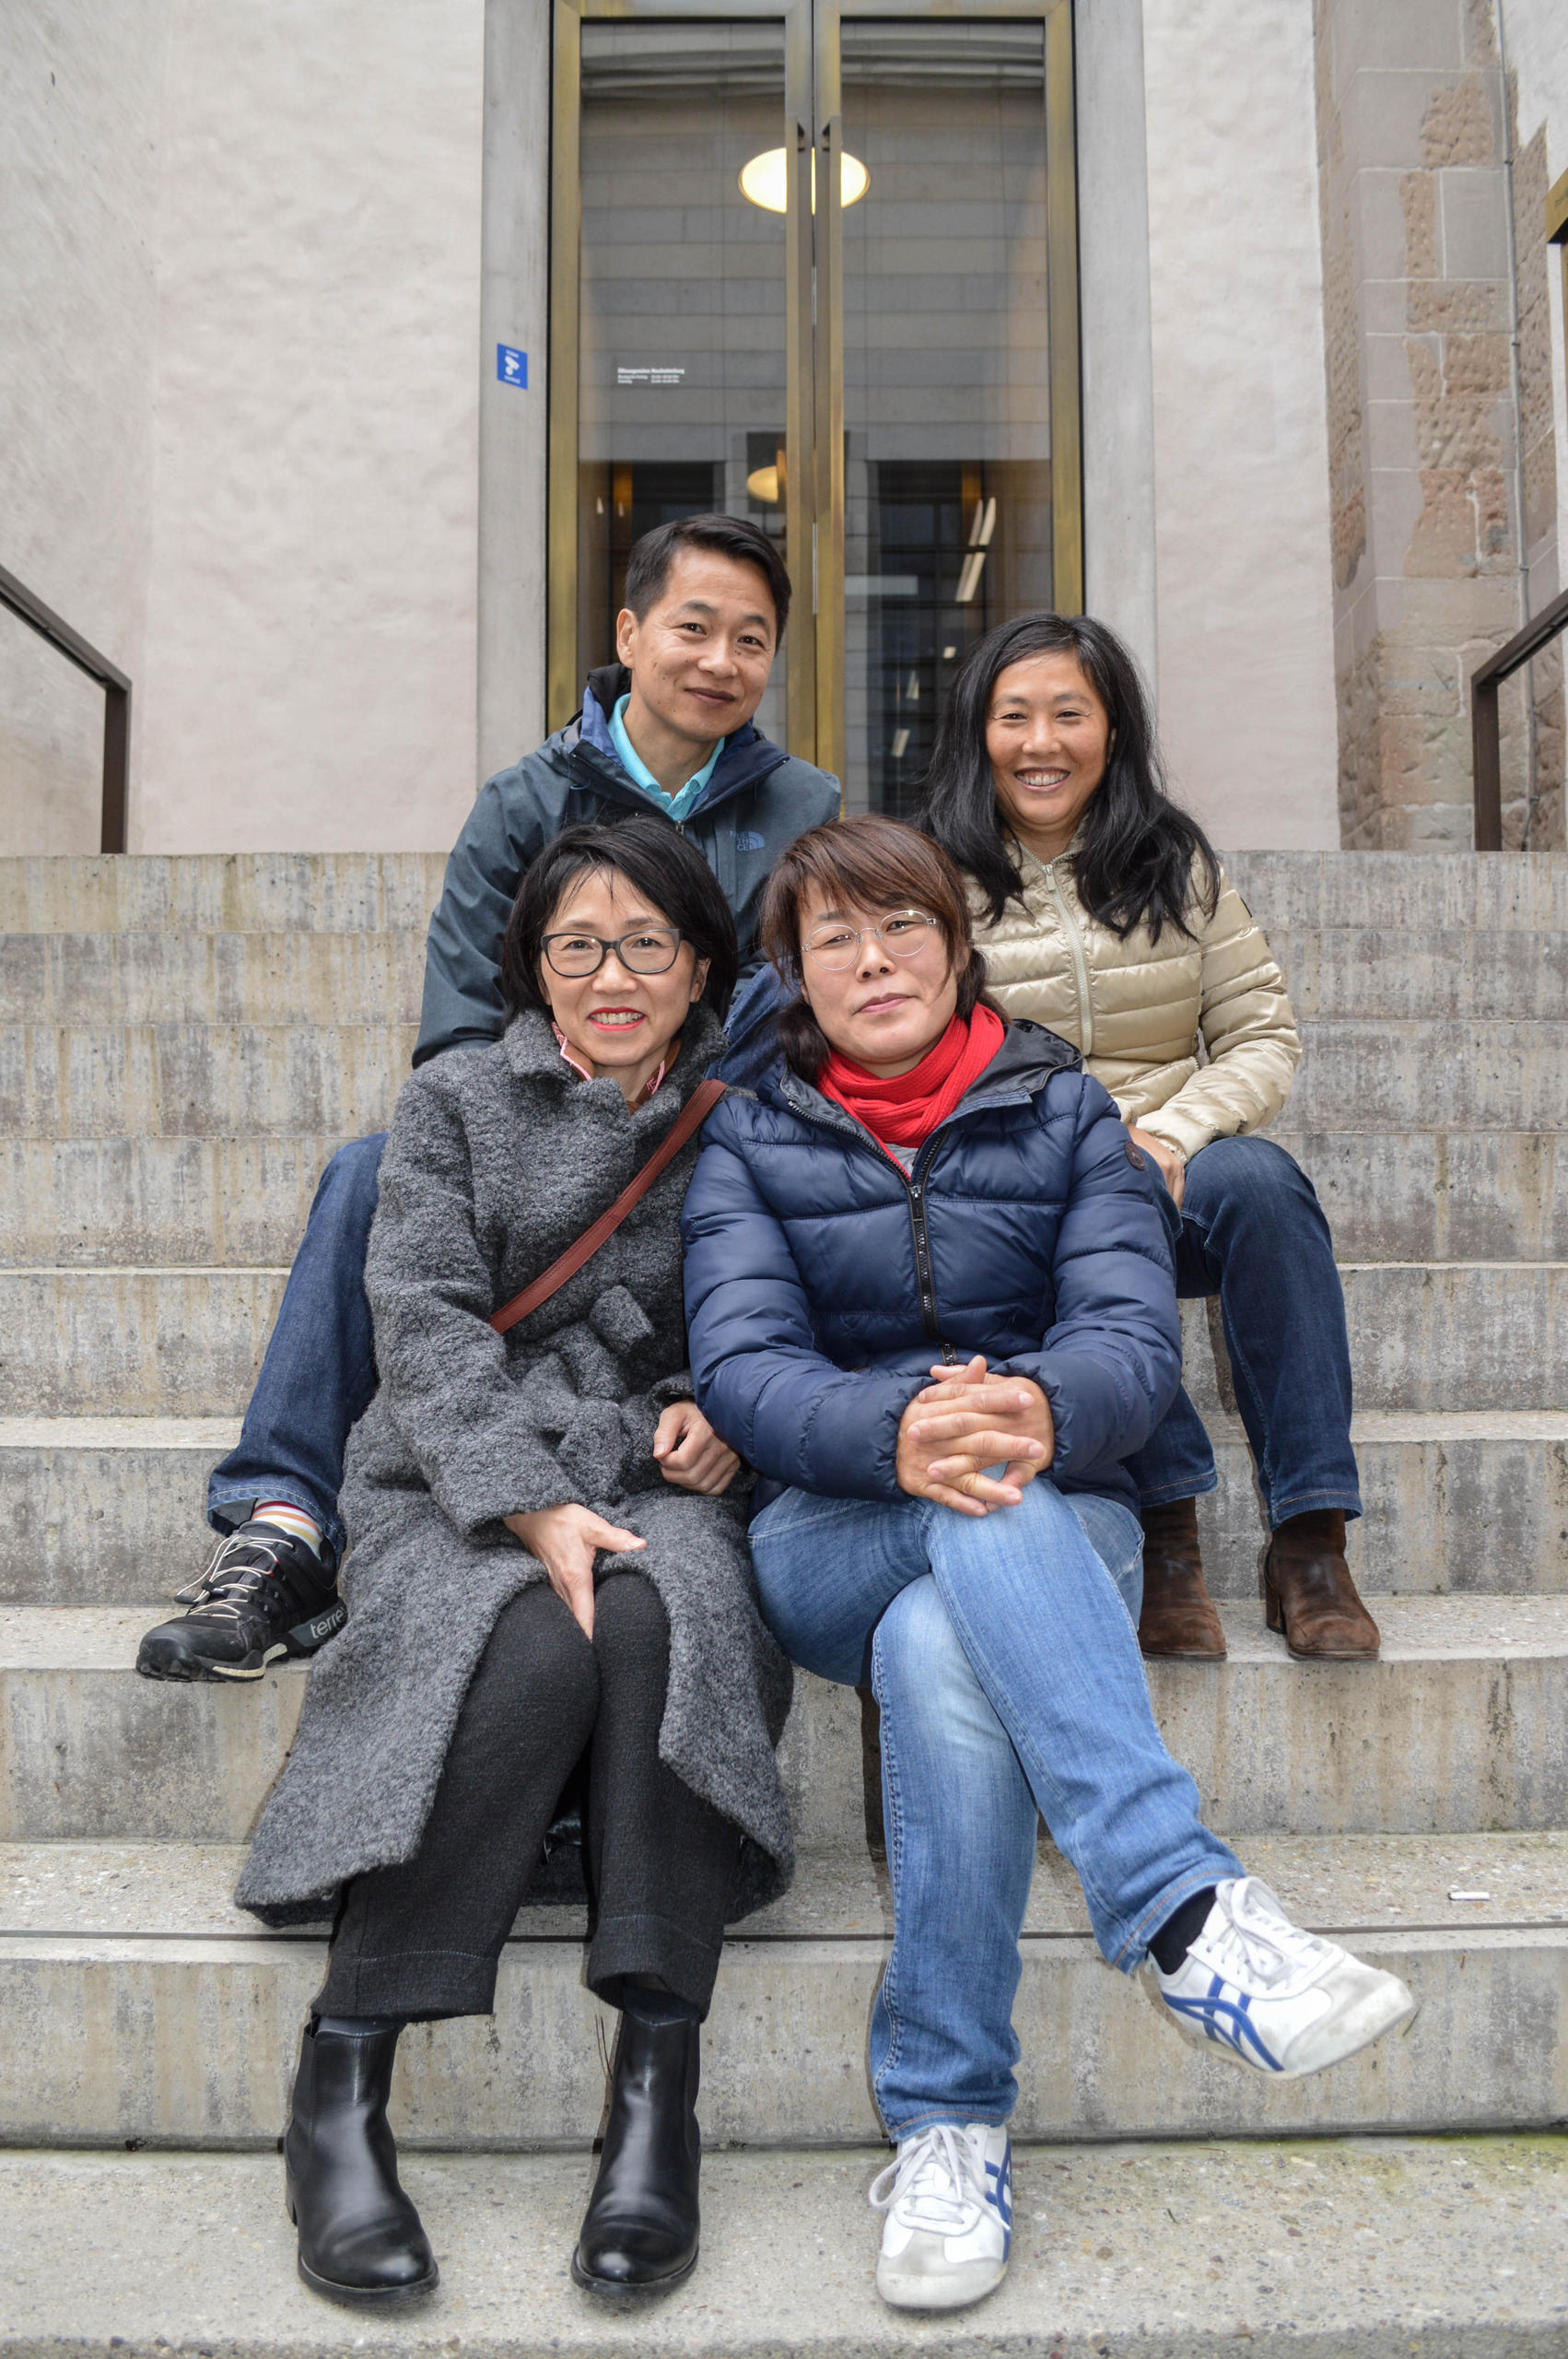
1383,1073
135,2005
189,975
211,1079
133,1341
1418,895
1427,1335
194,977
265,892
156,1201
1464,973
88,1749
1413,896
1403,1195
1389,1195
1461,1724
200,1080
1351,1884
102,1510
1150,2251
1468,1502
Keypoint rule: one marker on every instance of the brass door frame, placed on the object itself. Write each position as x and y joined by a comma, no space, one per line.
814,490
562,685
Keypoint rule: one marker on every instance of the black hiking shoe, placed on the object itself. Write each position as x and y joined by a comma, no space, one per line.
264,1595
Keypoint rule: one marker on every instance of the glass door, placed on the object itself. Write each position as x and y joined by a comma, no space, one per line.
817,265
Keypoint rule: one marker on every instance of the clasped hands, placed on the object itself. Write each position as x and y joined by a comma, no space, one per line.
968,1420
567,1539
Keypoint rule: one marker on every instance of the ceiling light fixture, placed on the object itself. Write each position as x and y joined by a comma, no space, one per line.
763,181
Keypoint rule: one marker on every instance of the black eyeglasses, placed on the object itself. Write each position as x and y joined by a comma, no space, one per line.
650,950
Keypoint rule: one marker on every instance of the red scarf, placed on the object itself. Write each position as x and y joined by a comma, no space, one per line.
906,1109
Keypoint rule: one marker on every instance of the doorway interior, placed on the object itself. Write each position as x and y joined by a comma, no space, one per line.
817,265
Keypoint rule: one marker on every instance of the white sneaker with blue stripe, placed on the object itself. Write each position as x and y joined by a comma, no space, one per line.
949,2228
1256,1988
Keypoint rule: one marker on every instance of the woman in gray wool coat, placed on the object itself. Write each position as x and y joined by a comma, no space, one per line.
547,1553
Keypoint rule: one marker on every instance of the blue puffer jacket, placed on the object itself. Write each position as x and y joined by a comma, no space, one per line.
822,1286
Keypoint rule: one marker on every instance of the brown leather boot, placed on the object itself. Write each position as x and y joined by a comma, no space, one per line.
1309,1594
1178,1616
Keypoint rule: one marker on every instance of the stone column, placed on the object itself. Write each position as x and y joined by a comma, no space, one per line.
1423,461
1536,818
1118,349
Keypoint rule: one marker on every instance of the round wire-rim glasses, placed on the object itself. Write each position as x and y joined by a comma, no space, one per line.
903,934
646,950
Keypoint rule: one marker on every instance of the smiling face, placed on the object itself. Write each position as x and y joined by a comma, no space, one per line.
882,1011
700,656
620,1023
1048,737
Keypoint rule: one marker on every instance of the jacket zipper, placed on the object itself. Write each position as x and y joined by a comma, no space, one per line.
1080,964
917,1193
915,1189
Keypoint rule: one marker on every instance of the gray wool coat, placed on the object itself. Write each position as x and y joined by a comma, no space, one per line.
499,1158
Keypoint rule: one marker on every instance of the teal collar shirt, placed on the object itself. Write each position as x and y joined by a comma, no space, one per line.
679,806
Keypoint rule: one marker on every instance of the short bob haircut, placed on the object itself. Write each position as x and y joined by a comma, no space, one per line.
1141,859
659,865
870,864
647,567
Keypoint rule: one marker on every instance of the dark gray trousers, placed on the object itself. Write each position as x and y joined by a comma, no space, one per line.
424,1939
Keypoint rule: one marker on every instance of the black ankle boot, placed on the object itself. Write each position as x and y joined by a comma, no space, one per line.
361,2239
639,2234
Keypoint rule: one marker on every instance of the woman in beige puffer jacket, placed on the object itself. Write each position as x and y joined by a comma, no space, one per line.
1103,914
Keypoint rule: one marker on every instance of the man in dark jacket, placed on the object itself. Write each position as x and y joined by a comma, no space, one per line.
668,727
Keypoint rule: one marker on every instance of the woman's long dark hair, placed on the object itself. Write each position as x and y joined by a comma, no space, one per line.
1140,858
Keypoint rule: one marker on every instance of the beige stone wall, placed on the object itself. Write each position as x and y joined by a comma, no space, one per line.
242,381
311,634
1536,57
1241,468
1533,816
81,103
239,413
513,442
1441,435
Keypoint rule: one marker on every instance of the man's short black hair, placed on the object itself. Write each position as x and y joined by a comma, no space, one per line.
655,858
648,568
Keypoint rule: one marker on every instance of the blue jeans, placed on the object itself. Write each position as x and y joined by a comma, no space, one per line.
1004,1656
319,1374
1253,1232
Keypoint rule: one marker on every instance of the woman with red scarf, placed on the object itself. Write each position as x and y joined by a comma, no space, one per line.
929,1296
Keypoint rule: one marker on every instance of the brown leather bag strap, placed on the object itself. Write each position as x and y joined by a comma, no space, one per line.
699,1107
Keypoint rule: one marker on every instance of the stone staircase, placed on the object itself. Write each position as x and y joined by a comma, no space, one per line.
182,1043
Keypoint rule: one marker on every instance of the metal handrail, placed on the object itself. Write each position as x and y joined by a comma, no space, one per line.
1485,733
116,700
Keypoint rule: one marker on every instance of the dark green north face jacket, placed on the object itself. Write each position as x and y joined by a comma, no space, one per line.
758,800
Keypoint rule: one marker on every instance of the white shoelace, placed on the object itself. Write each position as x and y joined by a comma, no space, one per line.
938,2178
230,1578
1256,1943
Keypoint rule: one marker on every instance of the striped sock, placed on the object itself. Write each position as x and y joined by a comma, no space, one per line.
289,1518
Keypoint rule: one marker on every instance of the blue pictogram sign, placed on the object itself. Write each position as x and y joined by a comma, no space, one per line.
511,366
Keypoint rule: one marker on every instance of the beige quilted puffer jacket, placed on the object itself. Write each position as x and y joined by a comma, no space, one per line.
1137,1009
